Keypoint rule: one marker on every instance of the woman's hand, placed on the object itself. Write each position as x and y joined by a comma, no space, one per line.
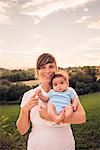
44,113
32,102
78,117
23,122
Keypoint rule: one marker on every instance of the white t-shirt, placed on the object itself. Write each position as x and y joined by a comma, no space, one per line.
44,136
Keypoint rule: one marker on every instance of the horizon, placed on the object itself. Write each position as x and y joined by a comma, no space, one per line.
26,68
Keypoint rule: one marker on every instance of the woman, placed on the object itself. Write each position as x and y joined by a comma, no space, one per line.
44,136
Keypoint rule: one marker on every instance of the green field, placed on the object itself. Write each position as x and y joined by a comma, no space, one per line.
87,135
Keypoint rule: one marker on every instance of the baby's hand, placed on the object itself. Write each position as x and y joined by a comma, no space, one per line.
38,92
74,106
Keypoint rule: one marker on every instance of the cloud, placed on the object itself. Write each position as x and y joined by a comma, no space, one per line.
94,24
91,44
86,9
38,9
42,38
76,3
91,58
23,52
5,7
89,52
3,14
37,20
83,19
42,8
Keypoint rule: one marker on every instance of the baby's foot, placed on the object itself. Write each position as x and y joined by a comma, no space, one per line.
60,117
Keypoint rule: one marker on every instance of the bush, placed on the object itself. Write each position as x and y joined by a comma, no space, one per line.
3,93
10,139
5,82
16,91
12,93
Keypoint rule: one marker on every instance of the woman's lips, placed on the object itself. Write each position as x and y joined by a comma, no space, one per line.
48,76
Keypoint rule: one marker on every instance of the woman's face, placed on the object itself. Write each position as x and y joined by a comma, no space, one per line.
46,72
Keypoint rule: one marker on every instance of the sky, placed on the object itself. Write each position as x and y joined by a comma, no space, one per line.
68,29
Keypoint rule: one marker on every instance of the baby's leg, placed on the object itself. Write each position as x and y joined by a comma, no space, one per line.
68,112
53,115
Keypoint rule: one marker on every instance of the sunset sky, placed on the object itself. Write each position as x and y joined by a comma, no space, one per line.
68,29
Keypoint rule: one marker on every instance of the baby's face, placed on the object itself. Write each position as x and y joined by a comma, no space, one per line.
60,84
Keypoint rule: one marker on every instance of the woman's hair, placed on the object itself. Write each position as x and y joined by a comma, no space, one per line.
44,59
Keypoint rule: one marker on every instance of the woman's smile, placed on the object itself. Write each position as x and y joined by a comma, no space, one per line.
48,76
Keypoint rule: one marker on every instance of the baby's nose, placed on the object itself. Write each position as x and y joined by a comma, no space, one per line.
59,87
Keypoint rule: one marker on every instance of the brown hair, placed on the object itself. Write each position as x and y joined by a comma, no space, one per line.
58,75
44,59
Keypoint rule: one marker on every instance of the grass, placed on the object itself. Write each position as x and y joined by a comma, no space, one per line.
87,136
10,139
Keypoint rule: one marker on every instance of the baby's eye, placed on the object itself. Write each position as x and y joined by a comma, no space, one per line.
55,84
62,83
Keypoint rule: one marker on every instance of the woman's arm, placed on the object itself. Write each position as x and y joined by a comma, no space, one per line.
78,117
23,122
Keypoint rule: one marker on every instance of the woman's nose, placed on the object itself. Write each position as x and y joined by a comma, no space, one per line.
47,70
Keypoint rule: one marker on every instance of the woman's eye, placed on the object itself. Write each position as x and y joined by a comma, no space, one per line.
42,67
51,66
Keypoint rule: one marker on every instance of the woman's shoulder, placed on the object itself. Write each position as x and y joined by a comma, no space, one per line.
31,91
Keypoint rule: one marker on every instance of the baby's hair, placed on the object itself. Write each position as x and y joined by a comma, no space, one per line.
58,75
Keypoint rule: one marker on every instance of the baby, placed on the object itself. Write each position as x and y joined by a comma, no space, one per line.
59,98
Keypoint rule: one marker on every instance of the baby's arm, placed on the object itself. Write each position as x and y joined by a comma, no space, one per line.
75,103
41,96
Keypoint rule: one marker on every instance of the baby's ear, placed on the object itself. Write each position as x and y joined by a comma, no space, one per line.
68,82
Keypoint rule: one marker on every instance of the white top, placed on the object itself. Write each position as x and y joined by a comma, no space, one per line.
44,136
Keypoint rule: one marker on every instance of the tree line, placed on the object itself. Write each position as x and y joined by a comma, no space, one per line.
83,79
17,75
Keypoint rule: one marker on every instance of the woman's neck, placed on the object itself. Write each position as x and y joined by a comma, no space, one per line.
46,86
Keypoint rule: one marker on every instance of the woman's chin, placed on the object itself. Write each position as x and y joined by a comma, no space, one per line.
48,80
